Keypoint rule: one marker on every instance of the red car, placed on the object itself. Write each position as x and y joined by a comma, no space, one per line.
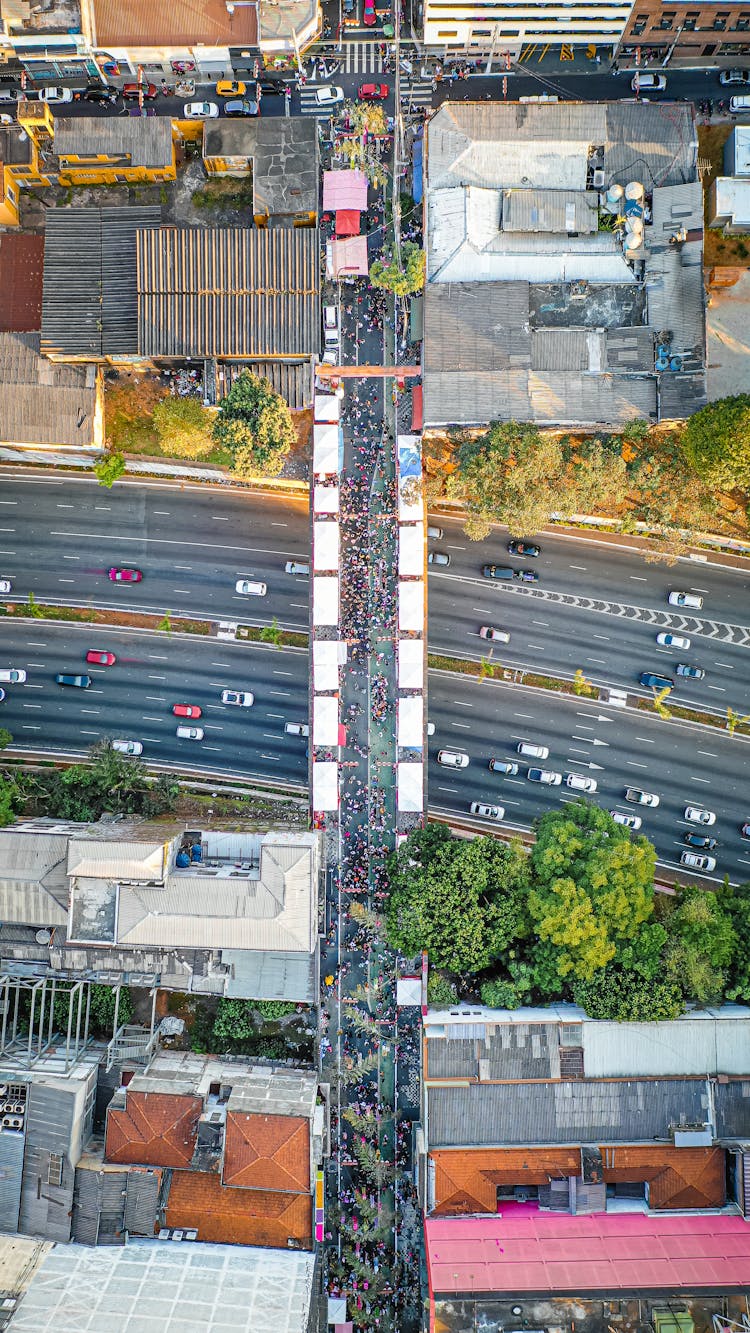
125,575
100,659
369,17
373,92
186,710
149,90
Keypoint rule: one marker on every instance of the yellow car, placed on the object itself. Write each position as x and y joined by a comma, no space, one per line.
230,88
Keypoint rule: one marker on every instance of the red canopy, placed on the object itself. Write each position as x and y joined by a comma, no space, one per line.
417,414
347,222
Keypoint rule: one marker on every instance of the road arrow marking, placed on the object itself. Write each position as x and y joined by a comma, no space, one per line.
596,742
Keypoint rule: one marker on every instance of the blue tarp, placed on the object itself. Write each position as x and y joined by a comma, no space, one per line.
416,170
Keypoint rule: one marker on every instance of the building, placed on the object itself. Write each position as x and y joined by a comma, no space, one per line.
729,196
564,264
282,158
504,29
708,35
208,912
45,406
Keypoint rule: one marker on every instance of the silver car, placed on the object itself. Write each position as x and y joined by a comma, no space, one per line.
487,811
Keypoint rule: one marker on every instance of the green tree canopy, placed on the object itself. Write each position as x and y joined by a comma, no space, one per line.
461,899
109,469
405,279
5,738
717,442
255,425
624,995
512,475
737,905
183,426
702,942
593,887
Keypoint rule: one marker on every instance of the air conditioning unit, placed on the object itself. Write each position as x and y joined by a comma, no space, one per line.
598,179
17,1122
19,1108
8,1108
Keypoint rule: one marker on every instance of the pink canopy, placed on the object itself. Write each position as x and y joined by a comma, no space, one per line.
349,257
344,189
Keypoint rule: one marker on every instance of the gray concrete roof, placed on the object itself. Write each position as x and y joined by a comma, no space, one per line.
284,155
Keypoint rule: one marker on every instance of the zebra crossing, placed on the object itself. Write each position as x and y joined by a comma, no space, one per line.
309,106
361,58
416,93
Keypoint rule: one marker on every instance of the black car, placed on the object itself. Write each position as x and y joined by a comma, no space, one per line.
99,93
700,840
517,547
270,86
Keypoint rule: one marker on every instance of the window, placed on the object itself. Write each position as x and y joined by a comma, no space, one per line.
666,22
720,22
55,1169
743,22
446,33
640,24
691,21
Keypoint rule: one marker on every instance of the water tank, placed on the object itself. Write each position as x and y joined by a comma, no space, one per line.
633,245
662,349
662,363
675,363
614,194
634,192
181,860
196,852
634,225
43,936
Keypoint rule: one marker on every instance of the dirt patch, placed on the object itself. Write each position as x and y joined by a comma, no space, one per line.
718,249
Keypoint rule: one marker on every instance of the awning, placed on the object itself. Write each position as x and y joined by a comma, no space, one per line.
411,722
327,407
326,544
326,499
411,550
417,159
411,664
347,222
327,449
344,189
325,785
416,319
328,655
411,604
409,455
347,258
410,787
325,719
410,502
417,410
326,599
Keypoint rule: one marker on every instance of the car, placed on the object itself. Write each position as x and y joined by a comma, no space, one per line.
453,759
693,672
639,797
269,87
533,751
6,119
100,658
55,94
12,675
200,111
2,694
297,728
301,567
12,95
328,95
745,830
579,782
241,108
128,747
526,575
652,680
505,572
369,16
124,575
331,335
78,682
186,710
244,698
508,767
230,88
250,588
134,91
544,775
190,733
433,533
518,547
487,811
734,76
695,814
628,821
701,840
673,640
100,93
653,83
690,599
5,585
430,728
438,558
494,635
698,862
372,92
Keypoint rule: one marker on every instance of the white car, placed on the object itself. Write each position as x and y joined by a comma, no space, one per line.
55,94
579,782
128,747
690,599
694,814
628,821
5,585
494,635
328,95
250,588
544,775
453,759
13,675
696,861
533,751
487,811
641,797
673,640
244,698
190,733
5,119
653,83
200,111
430,728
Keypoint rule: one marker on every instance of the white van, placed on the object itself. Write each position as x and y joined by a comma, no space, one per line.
739,104
533,751
331,326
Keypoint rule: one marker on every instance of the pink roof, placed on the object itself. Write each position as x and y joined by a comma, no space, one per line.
547,1252
349,255
344,189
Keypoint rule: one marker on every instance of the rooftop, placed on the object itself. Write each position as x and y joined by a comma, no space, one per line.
139,142
45,404
139,24
284,153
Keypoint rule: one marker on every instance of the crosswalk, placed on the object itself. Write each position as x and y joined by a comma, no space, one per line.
415,93
362,58
309,106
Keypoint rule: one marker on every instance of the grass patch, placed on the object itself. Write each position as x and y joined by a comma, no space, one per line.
92,616
226,192
284,638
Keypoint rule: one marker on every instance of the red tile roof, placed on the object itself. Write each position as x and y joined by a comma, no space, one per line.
155,1129
21,280
159,23
237,1217
267,1152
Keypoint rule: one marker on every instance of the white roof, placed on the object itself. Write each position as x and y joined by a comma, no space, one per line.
411,722
327,407
325,785
411,664
410,501
326,449
408,991
411,787
325,599
710,1042
325,728
411,604
733,199
326,544
328,656
326,499
411,549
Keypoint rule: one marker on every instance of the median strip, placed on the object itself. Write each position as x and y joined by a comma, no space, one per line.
166,624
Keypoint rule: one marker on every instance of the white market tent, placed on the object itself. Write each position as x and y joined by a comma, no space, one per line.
326,449
411,722
325,785
411,664
326,499
410,787
326,545
325,720
408,991
327,407
328,656
409,455
411,549
410,604
410,510
325,599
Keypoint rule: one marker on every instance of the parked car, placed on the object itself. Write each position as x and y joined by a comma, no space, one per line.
241,108
494,635
652,83
508,767
518,547
200,111
701,840
690,599
250,588
372,92
730,77
190,733
438,558
12,675
453,759
243,698
132,91
55,94
2,694
695,814
128,747
652,680
639,797
692,672
533,751
328,95
100,93
78,682
628,821
12,95
579,782
673,640
487,811
186,710
745,830
544,775
100,658
696,861
124,575
230,88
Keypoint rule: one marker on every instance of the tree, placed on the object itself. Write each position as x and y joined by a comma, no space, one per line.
5,738
441,992
511,475
7,813
717,442
737,904
623,995
581,685
255,425
462,900
702,943
109,469
592,887
184,427
362,146
403,279
658,700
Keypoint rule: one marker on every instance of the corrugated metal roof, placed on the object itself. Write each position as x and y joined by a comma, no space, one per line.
137,141
42,403
562,211
681,395
294,380
149,23
705,1045
565,349
11,1173
630,349
732,1109
466,331
117,860
655,143
269,974
21,280
513,144
33,882
228,292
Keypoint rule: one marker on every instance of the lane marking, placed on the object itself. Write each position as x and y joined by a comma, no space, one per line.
31,705
153,719
706,780
276,673
466,726
459,703
638,578
632,764
158,657
708,754
646,740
